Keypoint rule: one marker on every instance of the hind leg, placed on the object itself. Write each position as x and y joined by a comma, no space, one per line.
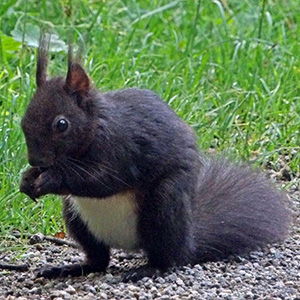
165,227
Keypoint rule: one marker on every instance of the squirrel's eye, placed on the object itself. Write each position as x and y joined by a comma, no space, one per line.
62,125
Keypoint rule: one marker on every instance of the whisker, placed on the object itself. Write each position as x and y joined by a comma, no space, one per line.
95,167
83,170
94,164
69,168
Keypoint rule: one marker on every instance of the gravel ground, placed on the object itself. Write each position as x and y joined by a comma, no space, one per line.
272,273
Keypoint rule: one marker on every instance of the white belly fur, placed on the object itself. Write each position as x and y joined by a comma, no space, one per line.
112,220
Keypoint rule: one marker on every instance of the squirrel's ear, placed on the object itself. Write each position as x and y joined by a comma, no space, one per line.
77,79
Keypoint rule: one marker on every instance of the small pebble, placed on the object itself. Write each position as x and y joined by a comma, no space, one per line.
71,290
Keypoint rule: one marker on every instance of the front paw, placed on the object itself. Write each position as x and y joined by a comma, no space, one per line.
48,182
28,180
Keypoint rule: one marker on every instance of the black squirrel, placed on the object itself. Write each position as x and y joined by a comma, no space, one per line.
132,177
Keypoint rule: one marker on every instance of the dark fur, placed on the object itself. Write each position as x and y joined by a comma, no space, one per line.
190,209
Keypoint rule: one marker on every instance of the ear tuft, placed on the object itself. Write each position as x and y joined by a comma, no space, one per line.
42,59
77,79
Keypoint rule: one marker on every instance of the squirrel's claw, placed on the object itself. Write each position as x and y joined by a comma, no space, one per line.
28,190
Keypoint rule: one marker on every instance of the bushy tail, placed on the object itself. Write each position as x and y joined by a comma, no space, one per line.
237,210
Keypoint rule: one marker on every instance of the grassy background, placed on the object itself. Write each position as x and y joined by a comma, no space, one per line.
229,68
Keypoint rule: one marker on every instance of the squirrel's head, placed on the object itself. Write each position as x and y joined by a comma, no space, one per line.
58,122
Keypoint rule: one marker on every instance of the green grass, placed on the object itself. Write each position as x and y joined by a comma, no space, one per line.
230,69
